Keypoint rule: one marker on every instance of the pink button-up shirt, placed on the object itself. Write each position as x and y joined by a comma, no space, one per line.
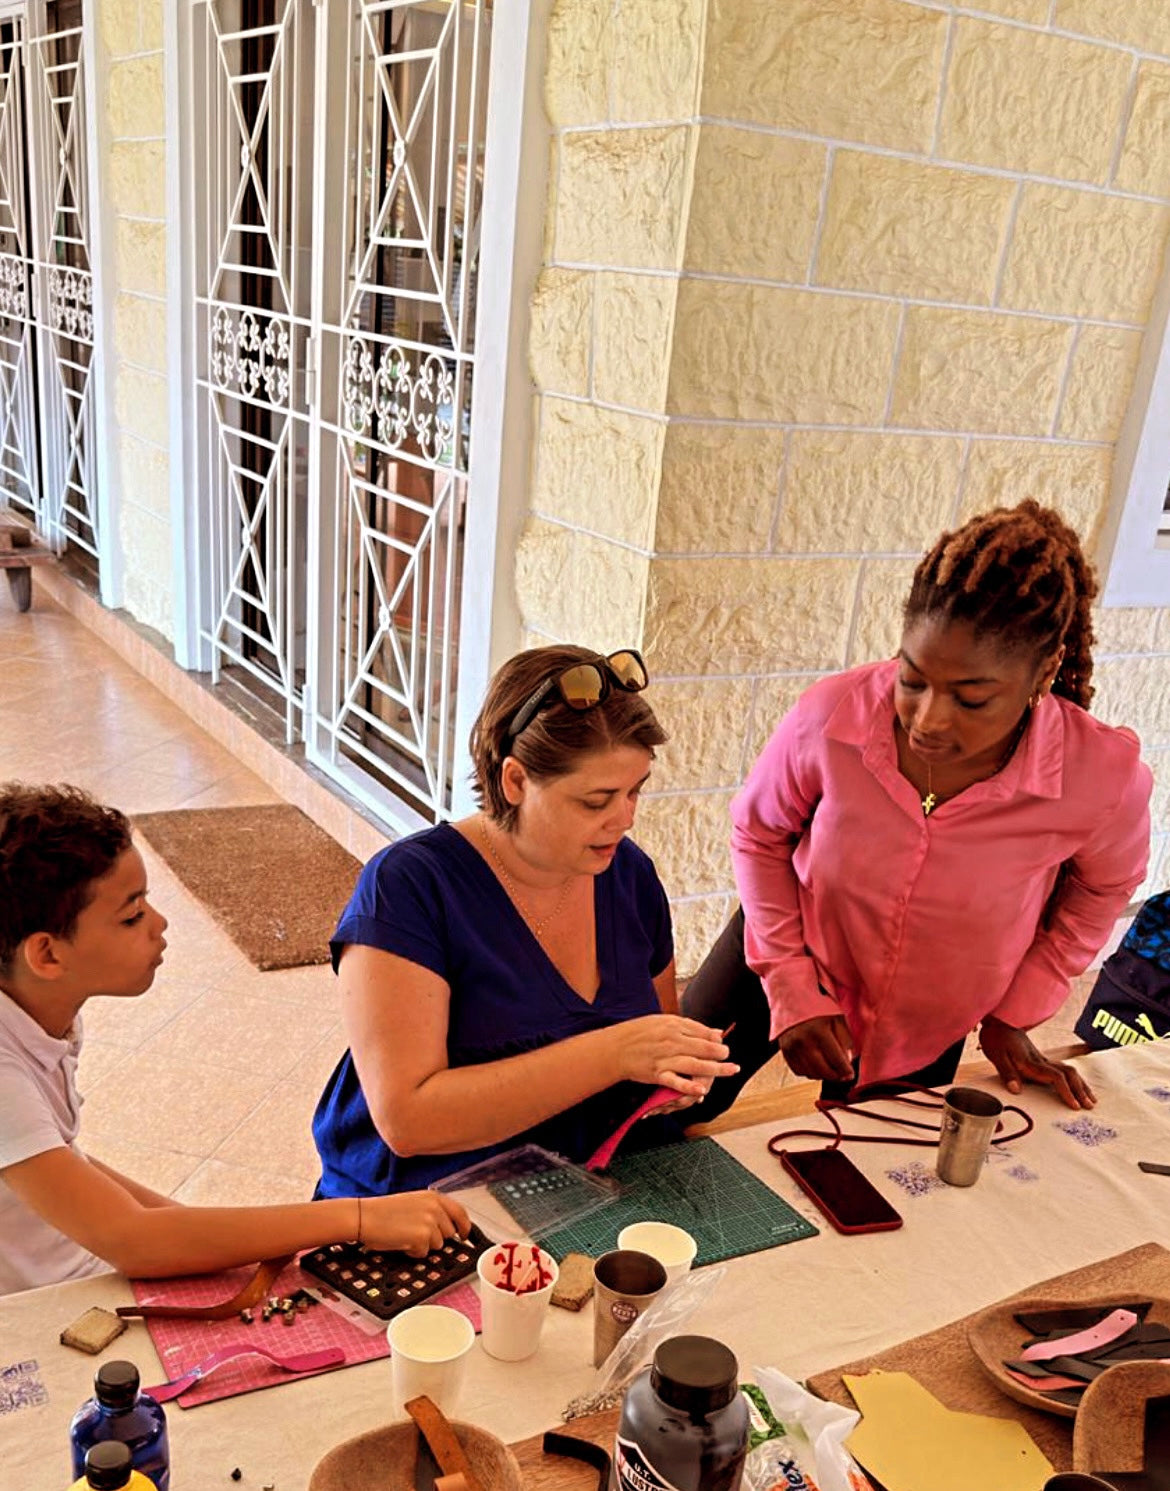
914,928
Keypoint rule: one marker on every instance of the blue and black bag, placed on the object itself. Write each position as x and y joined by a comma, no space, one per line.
1130,1001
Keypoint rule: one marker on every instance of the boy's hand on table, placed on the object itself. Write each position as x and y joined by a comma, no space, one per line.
1013,1055
820,1048
415,1222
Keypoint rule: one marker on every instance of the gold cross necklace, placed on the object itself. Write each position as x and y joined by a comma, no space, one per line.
932,800
536,924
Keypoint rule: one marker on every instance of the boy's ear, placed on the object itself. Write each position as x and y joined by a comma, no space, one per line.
39,954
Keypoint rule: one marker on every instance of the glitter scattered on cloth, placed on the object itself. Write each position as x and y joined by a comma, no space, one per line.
1087,1131
915,1179
1022,1173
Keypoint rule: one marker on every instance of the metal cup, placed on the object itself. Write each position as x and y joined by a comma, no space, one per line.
969,1121
624,1283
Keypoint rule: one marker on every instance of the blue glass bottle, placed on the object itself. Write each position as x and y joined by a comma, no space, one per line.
118,1410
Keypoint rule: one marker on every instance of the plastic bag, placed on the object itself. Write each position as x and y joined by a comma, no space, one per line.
808,1453
635,1350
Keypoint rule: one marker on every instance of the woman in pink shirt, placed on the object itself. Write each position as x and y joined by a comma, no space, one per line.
937,842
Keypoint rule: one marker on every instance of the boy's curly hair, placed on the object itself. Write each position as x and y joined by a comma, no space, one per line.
54,843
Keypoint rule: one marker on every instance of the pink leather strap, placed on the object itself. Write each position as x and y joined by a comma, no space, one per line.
307,1361
605,1152
1115,1324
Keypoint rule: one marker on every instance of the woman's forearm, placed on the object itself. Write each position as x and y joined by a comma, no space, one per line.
461,1108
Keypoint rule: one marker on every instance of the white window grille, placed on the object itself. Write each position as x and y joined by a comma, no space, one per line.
334,369
47,461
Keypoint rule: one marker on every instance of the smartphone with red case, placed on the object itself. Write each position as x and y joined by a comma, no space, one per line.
840,1190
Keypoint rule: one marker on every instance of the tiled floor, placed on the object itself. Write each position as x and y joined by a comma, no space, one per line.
204,1086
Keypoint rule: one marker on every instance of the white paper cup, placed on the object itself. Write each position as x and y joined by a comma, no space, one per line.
512,1322
674,1248
428,1354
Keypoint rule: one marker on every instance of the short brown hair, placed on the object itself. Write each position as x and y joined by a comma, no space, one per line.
54,843
557,737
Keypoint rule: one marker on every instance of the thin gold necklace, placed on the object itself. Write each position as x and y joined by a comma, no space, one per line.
536,924
930,801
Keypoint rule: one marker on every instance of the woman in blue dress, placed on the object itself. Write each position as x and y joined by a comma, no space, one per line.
509,978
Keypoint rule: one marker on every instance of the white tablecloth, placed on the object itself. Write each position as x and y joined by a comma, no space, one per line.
1068,1194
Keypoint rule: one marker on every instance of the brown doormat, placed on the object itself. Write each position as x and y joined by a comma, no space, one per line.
272,879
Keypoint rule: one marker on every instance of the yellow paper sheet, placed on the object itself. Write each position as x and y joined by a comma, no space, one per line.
912,1442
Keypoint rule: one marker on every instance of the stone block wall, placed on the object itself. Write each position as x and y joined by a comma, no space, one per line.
130,36
823,277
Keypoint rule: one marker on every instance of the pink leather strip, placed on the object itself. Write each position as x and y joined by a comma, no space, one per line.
1115,1324
307,1361
606,1151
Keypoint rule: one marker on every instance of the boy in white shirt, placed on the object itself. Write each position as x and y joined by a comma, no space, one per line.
74,922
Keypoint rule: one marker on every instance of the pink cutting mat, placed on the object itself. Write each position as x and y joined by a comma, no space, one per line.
182,1344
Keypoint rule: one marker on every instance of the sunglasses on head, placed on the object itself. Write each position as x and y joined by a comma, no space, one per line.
581,686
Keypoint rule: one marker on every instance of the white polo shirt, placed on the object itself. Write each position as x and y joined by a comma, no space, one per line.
40,1109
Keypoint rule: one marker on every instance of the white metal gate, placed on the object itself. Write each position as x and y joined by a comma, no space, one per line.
334,368
253,140
47,463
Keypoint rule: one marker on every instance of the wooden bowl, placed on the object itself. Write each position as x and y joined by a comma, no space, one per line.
383,1460
995,1337
1110,1430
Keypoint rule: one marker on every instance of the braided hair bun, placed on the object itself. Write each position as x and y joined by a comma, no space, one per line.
1020,576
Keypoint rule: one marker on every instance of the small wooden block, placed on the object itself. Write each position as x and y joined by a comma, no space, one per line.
93,1331
574,1282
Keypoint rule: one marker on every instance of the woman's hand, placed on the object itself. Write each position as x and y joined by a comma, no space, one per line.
671,1051
414,1222
820,1048
1017,1061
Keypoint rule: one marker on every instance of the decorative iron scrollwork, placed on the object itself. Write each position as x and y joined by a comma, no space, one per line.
13,287
406,395
71,302
250,352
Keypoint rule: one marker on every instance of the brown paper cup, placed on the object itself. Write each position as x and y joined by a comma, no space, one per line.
624,1283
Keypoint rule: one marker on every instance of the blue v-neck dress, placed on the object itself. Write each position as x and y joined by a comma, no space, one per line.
433,900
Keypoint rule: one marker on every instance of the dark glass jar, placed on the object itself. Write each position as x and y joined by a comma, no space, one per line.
684,1423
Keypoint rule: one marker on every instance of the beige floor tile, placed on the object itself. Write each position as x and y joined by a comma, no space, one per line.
136,789
217,1184
22,674
238,789
242,1033
277,1138
198,763
98,1060
190,1105
313,987
129,1022
163,1170
316,1067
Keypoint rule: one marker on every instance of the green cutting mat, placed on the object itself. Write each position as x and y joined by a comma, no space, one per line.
697,1186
